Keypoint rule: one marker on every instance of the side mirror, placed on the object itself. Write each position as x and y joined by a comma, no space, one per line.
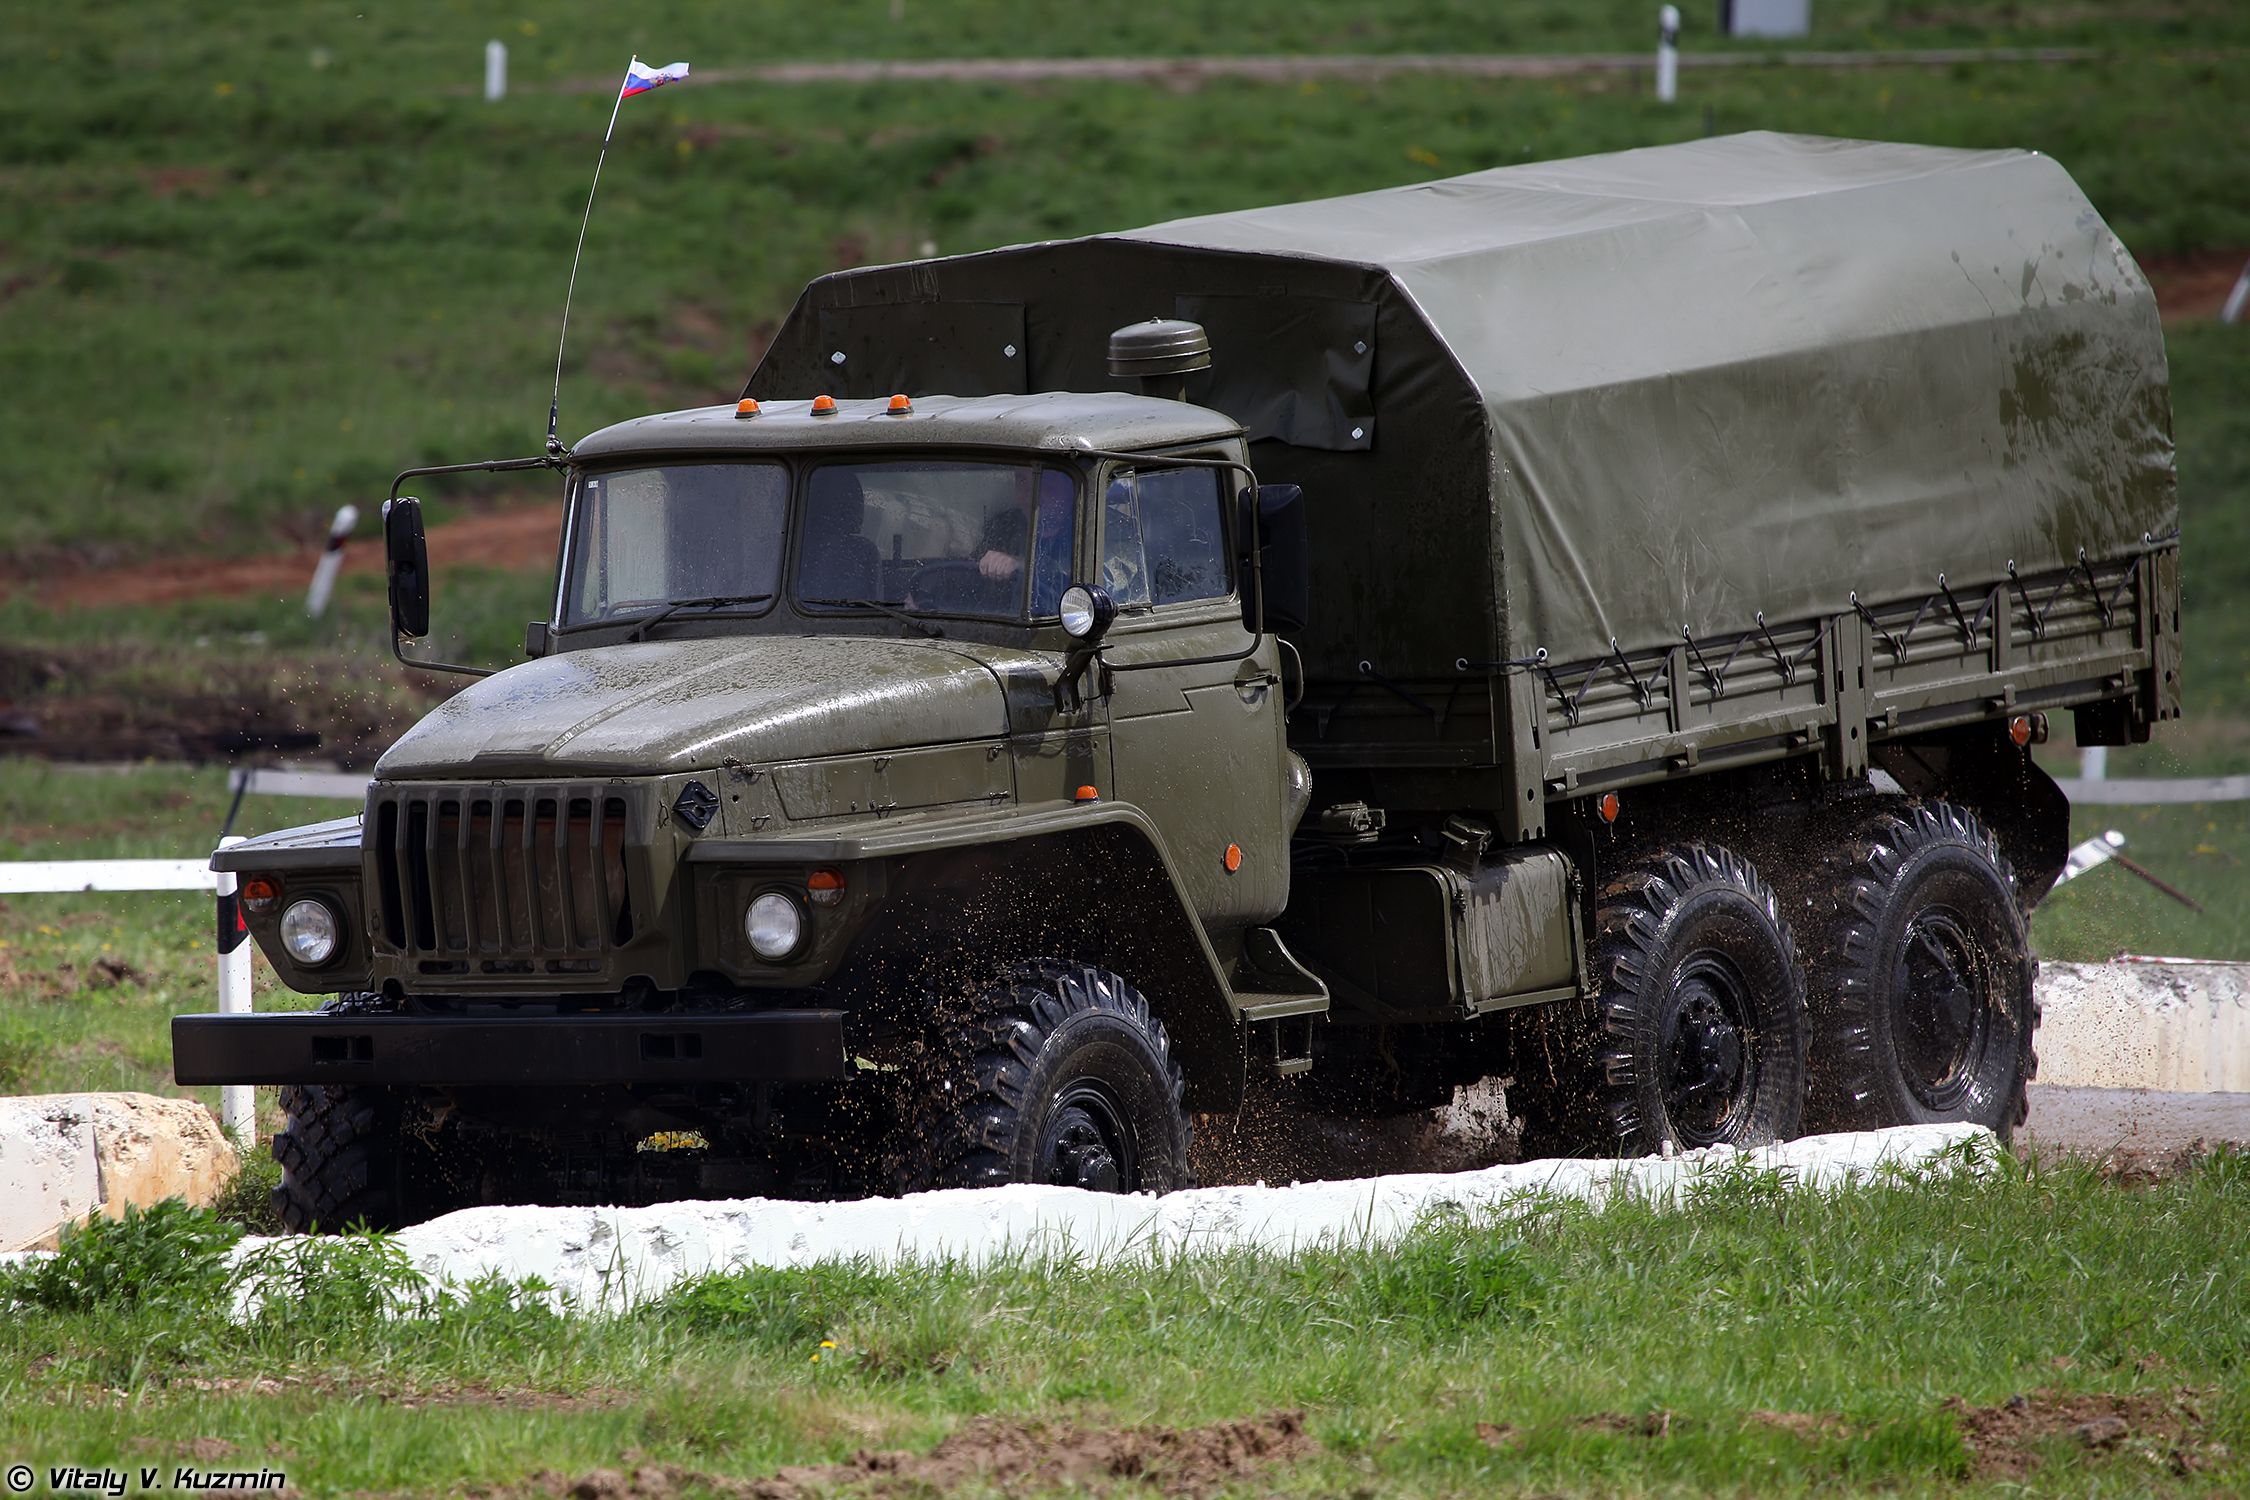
407,557
1087,613
1275,515
535,639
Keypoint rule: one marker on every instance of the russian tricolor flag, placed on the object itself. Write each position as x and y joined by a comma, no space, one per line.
639,78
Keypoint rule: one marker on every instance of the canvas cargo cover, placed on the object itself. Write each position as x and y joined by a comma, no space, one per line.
1560,404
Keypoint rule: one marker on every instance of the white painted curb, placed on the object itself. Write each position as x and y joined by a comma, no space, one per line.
612,1259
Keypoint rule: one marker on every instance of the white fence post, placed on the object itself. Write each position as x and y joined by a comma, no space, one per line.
495,72
238,1107
1667,54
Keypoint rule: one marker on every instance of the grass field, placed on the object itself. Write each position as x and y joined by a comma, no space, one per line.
258,259
1762,1340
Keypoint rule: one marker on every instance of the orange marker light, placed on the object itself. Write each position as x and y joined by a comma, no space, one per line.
746,407
260,892
825,887
1609,807
1234,858
823,405
1088,794
901,407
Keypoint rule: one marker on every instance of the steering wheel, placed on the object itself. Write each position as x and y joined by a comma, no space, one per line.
958,583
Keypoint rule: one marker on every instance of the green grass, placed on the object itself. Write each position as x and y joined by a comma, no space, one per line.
1872,1307
67,1022
240,288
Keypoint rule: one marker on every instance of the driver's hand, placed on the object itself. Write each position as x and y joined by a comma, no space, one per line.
999,566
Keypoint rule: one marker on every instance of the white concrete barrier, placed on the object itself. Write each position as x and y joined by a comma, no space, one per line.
615,1258
65,1156
2177,1027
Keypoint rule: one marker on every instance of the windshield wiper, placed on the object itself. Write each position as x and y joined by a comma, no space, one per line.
719,601
882,608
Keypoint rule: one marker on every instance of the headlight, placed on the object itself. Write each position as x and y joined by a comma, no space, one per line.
308,931
773,925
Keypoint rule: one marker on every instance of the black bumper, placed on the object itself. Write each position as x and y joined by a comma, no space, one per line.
771,1046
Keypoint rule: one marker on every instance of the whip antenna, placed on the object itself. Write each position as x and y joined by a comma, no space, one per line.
638,80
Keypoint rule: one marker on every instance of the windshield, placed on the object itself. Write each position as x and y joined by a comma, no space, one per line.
937,537
648,539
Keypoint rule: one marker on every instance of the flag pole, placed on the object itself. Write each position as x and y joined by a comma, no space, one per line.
554,402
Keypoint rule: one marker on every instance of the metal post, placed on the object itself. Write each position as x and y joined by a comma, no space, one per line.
238,1108
2241,294
495,72
1667,54
331,561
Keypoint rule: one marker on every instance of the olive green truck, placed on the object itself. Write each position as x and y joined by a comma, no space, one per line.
1578,624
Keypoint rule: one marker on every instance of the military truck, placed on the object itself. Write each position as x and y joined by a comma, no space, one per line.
1579,624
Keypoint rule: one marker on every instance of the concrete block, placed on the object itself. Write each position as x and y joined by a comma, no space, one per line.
2175,1027
50,1174
65,1156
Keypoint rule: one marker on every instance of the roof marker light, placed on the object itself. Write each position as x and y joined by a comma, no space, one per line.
901,407
1088,794
824,406
746,407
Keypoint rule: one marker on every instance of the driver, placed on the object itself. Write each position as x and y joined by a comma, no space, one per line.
1040,515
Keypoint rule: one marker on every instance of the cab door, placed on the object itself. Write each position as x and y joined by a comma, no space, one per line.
1197,744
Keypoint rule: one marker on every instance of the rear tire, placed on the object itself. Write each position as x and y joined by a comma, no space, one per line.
1057,1073
1698,1035
1923,1009
339,1156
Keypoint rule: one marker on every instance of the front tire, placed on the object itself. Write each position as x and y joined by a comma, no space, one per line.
339,1158
1698,1035
1057,1073
1923,1009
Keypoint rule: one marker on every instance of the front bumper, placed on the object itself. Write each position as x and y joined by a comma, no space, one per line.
767,1047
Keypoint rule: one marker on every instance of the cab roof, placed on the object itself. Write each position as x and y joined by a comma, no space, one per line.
1052,420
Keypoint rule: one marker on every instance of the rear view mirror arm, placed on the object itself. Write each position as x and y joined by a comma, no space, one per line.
412,573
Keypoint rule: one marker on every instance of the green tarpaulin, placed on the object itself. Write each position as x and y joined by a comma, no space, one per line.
1546,406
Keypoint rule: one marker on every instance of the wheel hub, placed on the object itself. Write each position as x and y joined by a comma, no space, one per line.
1708,1069
1943,985
1085,1144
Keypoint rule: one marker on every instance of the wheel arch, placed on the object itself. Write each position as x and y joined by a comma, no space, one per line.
1102,893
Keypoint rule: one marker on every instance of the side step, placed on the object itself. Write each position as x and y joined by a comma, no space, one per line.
1281,999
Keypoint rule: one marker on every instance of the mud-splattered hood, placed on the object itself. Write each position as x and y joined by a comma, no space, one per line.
666,706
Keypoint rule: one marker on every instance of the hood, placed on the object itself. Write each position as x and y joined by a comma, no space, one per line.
657,707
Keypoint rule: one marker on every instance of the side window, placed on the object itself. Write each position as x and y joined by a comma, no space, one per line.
1164,537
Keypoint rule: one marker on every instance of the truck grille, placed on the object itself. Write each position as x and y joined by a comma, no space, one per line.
496,880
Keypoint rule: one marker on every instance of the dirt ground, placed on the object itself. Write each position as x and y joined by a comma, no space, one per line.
519,537
1012,1455
2194,286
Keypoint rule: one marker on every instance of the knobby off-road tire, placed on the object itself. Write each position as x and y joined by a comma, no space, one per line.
1922,1002
339,1156
1056,1073
1698,1035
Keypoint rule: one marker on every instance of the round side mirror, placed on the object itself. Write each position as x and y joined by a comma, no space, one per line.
1087,612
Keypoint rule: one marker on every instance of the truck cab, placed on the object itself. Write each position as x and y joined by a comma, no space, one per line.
846,711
